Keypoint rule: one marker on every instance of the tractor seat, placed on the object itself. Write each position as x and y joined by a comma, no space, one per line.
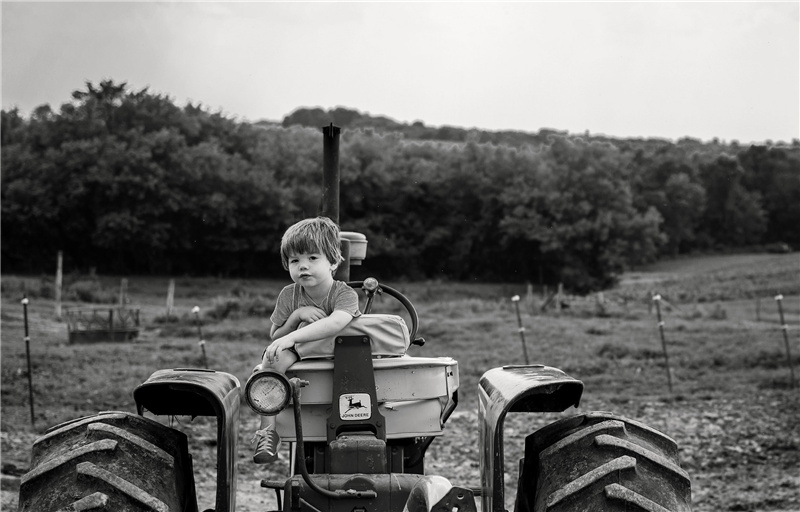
388,336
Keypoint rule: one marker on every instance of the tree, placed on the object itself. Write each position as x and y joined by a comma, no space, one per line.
577,206
734,216
775,174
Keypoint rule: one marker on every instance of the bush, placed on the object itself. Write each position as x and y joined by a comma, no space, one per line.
778,248
612,351
91,291
240,307
11,286
718,313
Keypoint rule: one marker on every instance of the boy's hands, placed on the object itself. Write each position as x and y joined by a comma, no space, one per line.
318,326
309,314
276,347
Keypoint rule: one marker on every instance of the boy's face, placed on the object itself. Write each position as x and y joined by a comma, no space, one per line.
310,269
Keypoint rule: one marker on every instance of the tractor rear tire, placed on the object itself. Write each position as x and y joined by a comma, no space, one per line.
600,461
111,461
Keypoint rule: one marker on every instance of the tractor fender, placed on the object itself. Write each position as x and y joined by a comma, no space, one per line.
199,392
515,388
437,494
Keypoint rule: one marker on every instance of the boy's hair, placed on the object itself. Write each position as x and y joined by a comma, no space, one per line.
320,234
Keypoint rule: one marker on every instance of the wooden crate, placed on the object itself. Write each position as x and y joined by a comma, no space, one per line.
102,324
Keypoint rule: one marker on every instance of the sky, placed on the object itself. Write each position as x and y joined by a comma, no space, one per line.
726,70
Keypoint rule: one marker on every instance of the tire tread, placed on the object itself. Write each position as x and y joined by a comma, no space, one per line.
89,470
601,461
95,501
116,461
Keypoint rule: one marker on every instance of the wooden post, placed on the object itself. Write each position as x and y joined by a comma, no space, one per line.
170,298
59,274
111,323
529,296
123,292
559,296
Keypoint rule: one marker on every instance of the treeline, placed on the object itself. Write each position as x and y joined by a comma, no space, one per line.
128,182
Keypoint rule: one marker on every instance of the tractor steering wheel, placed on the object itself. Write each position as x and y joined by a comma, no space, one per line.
371,287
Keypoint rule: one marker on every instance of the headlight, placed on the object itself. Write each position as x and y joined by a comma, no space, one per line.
268,392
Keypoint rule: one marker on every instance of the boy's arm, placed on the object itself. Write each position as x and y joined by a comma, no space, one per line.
318,330
281,331
322,328
306,314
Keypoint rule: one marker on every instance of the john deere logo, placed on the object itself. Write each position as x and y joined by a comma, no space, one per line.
355,406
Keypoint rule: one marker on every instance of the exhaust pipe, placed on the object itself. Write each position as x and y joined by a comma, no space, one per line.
330,172
330,191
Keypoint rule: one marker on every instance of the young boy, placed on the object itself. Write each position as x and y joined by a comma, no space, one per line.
315,307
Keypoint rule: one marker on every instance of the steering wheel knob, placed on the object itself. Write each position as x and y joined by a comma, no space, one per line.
370,284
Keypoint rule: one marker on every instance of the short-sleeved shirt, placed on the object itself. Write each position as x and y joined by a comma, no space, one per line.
292,297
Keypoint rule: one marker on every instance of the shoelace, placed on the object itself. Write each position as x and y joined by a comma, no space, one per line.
259,434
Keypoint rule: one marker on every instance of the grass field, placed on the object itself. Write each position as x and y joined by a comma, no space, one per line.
732,410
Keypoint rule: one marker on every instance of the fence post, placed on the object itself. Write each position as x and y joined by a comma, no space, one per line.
785,329
28,356
559,297
59,279
111,323
515,300
202,342
657,301
170,298
123,292
529,296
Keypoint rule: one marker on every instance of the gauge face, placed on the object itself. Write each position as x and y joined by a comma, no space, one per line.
269,395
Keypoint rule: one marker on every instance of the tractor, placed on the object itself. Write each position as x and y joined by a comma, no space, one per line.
359,419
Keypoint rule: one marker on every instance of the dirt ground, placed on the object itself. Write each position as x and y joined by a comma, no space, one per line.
732,413
721,441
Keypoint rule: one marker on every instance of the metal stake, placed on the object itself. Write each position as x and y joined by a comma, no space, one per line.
202,342
657,300
515,300
28,355
785,329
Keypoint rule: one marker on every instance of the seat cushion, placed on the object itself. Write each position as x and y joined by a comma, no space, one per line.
388,334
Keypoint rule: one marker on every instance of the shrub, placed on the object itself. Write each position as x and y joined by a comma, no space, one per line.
11,286
718,313
91,291
612,351
164,319
240,307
